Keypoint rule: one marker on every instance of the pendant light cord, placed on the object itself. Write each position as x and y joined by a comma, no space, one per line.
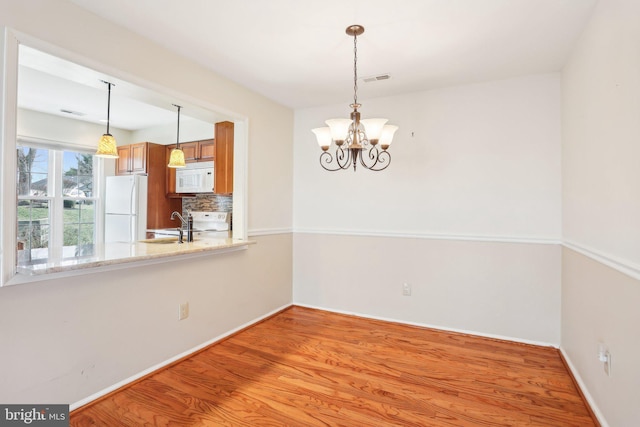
108,107
178,134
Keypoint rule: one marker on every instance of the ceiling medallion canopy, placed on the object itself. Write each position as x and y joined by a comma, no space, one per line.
363,142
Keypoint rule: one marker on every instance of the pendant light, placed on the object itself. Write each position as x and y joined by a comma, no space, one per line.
107,144
356,140
176,160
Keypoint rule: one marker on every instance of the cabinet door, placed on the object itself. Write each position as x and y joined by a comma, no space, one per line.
190,150
206,151
139,157
223,158
124,160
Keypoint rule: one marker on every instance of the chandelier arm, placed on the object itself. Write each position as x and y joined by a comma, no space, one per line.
341,160
342,157
380,160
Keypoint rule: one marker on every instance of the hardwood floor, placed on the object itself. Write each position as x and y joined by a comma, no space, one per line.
307,367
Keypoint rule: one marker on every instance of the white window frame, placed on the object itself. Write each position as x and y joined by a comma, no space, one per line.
56,198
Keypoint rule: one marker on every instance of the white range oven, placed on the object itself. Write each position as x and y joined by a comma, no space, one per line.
206,224
211,224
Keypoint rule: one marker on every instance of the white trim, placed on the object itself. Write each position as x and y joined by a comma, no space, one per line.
427,325
8,109
623,266
269,231
52,144
434,236
160,365
592,403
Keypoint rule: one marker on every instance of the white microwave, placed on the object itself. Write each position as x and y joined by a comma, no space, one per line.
195,178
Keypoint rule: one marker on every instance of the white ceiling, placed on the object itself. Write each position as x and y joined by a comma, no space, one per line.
52,85
297,53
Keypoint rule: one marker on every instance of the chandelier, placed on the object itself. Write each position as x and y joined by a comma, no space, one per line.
357,141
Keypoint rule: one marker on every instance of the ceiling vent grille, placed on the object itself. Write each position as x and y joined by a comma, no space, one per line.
379,77
75,113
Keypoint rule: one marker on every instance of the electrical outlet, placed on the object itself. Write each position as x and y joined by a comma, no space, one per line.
183,311
604,356
406,290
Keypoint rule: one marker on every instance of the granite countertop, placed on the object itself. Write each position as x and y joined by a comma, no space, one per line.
119,253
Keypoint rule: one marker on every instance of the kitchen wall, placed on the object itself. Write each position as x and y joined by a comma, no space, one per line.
190,130
65,339
601,208
33,124
468,212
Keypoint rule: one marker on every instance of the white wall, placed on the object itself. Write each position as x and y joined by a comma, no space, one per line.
33,124
190,130
64,339
506,290
601,208
481,172
484,161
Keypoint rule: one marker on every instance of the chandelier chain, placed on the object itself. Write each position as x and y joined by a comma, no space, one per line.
355,69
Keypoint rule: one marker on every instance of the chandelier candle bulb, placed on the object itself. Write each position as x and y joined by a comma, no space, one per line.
356,140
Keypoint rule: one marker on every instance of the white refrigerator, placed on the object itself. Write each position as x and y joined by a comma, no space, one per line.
125,208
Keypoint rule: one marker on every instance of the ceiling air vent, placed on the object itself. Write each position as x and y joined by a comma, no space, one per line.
370,79
75,113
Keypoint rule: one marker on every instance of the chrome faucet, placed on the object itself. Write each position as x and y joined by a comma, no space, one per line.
185,223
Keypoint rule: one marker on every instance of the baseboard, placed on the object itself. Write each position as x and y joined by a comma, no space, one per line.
437,327
169,362
582,388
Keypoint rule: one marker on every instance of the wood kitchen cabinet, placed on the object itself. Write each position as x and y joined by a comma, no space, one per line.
198,151
223,154
132,159
150,159
220,150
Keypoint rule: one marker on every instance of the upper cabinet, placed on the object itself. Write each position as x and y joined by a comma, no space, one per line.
132,159
218,150
198,151
223,153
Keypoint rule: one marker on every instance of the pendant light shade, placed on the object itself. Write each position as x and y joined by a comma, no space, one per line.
107,145
176,160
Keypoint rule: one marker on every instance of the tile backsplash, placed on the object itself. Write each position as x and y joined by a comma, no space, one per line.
208,202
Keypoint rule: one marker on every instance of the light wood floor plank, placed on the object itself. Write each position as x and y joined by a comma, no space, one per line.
306,367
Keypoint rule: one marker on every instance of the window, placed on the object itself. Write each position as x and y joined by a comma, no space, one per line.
56,204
